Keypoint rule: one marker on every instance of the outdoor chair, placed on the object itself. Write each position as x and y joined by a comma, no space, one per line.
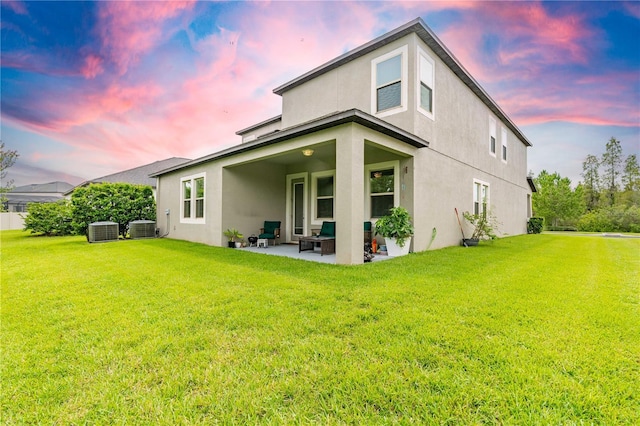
328,229
270,231
367,232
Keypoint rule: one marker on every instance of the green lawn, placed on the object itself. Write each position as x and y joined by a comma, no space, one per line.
540,329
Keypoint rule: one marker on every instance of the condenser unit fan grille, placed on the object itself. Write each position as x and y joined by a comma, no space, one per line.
103,231
142,229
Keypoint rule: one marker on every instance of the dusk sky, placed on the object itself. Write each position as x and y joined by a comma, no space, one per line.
93,88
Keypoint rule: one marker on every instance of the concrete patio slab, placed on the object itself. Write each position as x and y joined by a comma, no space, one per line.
291,251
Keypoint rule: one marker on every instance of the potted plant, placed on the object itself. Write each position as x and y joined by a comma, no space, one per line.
484,226
396,228
232,235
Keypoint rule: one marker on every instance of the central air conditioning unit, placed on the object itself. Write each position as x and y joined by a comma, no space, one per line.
103,231
142,229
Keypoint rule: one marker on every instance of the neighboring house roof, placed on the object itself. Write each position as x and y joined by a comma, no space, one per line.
424,32
332,120
25,199
138,175
37,193
51,187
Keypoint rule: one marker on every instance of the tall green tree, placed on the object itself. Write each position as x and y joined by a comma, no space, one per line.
591,183
8,158
612,162
556,201
631,181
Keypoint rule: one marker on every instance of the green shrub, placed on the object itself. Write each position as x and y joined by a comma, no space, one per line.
116,202
49,218
535,225
611,219
485,225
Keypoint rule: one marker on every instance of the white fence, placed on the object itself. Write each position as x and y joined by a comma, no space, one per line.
11,220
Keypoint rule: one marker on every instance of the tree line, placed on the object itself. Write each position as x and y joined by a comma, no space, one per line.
608,198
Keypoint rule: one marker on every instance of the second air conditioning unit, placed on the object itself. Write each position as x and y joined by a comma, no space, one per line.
142,229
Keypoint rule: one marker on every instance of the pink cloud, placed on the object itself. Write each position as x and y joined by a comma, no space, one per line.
524,57
600,100
195,107
16,6
228,89
130,29
632,8
527,38
92,66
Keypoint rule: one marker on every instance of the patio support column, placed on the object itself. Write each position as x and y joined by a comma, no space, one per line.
349,207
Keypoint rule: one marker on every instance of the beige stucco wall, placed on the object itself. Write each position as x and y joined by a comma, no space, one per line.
441,177
344,88
447,184
252,194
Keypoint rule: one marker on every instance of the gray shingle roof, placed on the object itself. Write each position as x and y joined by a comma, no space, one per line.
51,187
138,175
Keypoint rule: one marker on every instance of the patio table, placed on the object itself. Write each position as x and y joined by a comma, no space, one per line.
327,244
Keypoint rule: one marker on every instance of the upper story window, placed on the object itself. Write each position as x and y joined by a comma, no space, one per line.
323,194
192,199
480,196
389,83
426,73
492,136
504,145
382,188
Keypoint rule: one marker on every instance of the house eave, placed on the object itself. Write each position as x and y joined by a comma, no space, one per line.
350,116
419,27
261,124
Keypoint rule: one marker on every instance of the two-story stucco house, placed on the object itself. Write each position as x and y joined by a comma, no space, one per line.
397,121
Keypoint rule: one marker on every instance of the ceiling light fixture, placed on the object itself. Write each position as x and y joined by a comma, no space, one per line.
307,152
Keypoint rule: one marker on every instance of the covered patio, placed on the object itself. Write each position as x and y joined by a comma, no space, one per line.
291,251
315,177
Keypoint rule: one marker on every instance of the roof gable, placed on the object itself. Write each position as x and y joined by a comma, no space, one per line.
421,29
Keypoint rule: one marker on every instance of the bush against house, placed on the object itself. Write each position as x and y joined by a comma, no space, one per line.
116,202
49,218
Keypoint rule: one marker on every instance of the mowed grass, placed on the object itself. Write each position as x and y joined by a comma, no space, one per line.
540,329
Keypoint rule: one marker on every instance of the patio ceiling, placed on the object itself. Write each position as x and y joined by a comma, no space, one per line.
325,153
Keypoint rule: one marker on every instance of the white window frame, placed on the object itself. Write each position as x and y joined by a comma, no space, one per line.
492,134
314,195
483,207
423,55
395,165
404,52
504,154
192,214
